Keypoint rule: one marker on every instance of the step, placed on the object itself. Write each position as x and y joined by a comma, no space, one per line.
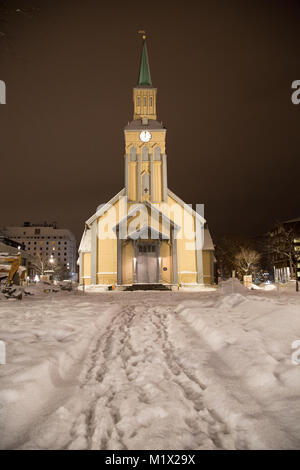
147,287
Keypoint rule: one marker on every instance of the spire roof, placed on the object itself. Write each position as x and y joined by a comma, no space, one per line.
145,77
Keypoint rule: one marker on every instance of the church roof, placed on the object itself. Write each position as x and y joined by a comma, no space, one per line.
137,124
85,244
145,77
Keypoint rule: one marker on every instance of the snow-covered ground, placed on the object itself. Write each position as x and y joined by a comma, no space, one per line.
151,370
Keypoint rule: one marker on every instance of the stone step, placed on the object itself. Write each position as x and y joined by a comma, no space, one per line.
147,287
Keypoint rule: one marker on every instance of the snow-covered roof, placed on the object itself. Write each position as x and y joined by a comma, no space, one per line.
104,207
208,243
85,244
186,206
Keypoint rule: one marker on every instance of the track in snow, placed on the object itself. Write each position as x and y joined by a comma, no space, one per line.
134,393
143,385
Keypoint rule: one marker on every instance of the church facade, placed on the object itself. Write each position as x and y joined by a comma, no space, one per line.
146,234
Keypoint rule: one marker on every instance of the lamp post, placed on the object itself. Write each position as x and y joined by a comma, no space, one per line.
51,261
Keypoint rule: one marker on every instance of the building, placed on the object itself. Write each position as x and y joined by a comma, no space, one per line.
46,240
146,234
284,250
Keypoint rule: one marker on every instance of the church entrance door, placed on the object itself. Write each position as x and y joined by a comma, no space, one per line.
147,263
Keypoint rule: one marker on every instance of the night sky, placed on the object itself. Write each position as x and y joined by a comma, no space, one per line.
223,72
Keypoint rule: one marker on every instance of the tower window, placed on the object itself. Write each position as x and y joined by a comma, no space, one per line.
145,101
145,154
157,155
151,101
138,101
133,154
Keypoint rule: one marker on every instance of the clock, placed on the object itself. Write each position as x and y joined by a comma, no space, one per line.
145,136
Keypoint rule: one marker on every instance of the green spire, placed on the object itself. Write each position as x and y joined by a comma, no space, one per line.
145,77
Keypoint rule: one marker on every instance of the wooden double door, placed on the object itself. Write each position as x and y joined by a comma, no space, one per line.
147,262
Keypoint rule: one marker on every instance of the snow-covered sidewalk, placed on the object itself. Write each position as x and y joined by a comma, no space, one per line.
150,370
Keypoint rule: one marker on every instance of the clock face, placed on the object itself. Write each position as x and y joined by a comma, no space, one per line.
145,136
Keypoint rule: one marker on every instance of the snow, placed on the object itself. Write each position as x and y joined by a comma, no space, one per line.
151,370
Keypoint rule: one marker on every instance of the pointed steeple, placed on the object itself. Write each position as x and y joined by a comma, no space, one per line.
144,95
145,77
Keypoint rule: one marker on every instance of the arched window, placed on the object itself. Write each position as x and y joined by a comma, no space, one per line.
145,154
146,183
157,155
133,154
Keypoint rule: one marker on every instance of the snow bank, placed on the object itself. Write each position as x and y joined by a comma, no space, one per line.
252,336
44,352
151,370
231,286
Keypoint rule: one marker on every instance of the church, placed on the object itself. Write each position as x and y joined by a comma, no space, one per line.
146,235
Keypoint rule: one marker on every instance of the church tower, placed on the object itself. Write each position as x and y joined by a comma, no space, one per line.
145,142
145,234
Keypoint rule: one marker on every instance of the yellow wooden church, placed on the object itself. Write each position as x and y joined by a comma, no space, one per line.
145,235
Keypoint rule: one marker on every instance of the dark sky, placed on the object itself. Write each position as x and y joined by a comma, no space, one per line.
223,72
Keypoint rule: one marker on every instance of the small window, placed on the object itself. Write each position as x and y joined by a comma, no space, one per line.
139,101
145,154
151,103
37,231
132,156
145,101
157,154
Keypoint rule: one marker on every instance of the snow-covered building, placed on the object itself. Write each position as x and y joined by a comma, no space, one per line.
146,234
46,240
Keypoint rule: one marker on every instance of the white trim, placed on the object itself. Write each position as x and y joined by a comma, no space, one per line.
85,277
107,272
187,272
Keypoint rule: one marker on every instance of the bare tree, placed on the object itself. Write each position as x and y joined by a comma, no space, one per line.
227,248
44,263
246,261
40,263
